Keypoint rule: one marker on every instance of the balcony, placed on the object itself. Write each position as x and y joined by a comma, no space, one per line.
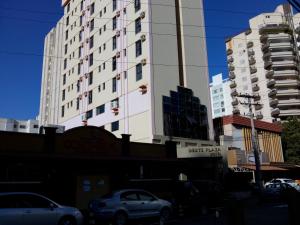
253,69
229,51
285,64
232,85
255,88
272,93
231,75
266,55
252,61
268,64
283,55
275,28
254,79
257,98
258,107
234,92
269,74
250,44
263,38
281,45
251,52
265,47
289,112
236,111
231,68
274,102
278,36
271,83
275,112
287,83
286,73
289,92
235,102
289,102
230,59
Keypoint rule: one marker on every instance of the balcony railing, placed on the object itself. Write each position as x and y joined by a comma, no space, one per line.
231,75
275,112
259,116
272,93
275,28
254,79
234,92
229,51
258,107
255,88
250,44
251,52
268,64
252,61
271,83
253,69
269,74
274,102
232,85
235,102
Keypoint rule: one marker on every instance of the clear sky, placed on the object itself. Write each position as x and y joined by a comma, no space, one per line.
24,24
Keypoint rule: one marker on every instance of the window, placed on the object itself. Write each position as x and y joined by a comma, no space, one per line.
100,49
79,52
114,42
35,126
125,52
125,74
100,109
78,69
91,42
67,34
145,196
67,21
68,8
66,48
114,85
104,46
137,5
138,25
114,63
92,8
100,31
91,78
64,79
103,66
77,103
91,60
81,5
63,95
90,97
104,27
115,126
78,86
80,20
139,72
129,196
114,4
22,127
80,36
104,10
101,13
114,23
65,63
103,86
89,114
92,25
138,48
63,111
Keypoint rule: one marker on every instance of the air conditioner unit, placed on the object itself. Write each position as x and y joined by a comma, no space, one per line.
118,54
142,15
118,13
118,77
114,105
84,117
143,37
118,33
144,62
143,89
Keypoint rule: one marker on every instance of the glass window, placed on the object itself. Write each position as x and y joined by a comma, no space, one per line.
63,111
129,196
89,114
91,78
91,60
90,99
138,48
77,103
100,109
114,23
92,8
64,79
137,5
79,68
114,42
92,25
114,63
115,126
138,25
114,4
139,71
91,42
63,95
143,196
114,84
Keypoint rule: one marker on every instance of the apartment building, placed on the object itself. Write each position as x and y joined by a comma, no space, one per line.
132,67
221,102
51,77
263,61
22,126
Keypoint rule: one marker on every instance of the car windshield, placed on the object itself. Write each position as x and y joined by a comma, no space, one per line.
288,181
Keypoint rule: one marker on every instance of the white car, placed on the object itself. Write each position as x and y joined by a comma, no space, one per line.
281,181
23,208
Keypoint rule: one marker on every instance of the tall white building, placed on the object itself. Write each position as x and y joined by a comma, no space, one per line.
22,126
221,102
264,61
133,67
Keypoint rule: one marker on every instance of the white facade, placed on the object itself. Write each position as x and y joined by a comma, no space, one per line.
120,59
262,61
22,126
52,69
220,96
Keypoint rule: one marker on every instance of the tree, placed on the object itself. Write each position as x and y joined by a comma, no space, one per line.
291,140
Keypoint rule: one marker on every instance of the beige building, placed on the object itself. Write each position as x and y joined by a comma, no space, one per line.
134,67
263,61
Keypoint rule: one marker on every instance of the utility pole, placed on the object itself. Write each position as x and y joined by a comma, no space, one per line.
258,180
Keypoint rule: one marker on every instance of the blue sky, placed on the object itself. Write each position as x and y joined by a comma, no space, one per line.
23,27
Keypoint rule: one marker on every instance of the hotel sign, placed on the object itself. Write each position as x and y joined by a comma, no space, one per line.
202,152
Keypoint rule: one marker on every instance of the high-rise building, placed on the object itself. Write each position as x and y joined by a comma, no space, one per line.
264,61
52,68
134,67
22,126
221,102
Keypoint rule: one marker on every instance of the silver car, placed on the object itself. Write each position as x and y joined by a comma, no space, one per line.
130,204
22,208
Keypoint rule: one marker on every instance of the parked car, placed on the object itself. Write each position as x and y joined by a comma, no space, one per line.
131,204
281,181
279,191
23,208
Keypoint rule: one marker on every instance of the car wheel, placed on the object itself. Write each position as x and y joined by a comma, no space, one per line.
120,218
165,214
67,221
